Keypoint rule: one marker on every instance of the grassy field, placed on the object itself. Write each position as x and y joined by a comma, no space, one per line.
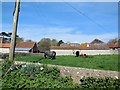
102,62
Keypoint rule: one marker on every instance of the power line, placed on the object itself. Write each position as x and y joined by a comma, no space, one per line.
81,13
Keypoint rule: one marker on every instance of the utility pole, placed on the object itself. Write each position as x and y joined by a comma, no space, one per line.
14,30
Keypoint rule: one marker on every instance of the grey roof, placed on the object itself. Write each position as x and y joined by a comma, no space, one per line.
102,46
22,49
70,44
74,44
97,41
64,44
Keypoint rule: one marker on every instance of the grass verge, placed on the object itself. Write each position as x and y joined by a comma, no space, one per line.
102,62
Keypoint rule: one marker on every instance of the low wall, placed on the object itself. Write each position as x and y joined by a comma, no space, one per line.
4,50
77,73
88,52
22,51
40,54
71,52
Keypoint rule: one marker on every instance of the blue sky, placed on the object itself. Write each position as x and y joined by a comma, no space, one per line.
60,21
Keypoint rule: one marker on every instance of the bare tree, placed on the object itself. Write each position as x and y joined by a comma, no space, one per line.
114,41
3,35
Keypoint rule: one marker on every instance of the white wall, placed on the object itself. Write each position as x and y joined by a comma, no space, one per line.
22,51
4,50
88,52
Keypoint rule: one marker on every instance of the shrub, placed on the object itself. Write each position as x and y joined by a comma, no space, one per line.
4,55
105,83
31,76
5,66
22,54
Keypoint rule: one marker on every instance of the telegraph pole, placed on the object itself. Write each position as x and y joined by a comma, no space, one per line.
14,30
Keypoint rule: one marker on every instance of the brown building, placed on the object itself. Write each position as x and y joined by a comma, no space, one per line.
114,46
4,47
28,47
85,46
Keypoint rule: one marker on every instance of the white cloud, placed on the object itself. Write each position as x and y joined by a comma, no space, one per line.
66,34
36,33
84,37
56,30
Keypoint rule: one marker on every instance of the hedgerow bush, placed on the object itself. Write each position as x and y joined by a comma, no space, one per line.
21,54
6,65
33,76
104,83
4,55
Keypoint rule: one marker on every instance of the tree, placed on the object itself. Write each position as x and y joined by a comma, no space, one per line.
19,39
9,39
68,42
53,42
114,41
10,34
6,37
44,43
60,42
29,40
3,34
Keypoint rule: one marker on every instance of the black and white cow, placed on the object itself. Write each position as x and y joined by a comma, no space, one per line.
50,54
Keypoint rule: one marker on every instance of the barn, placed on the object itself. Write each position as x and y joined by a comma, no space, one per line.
26,47
4,47
96,47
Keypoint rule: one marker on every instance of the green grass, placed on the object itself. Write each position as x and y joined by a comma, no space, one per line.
102,62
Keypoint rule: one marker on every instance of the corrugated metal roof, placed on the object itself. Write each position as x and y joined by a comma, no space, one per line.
22,49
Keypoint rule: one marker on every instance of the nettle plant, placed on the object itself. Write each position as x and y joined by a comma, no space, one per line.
41,76
106,83
35,76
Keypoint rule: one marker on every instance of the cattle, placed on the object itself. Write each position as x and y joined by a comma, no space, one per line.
50,54
83,55
4,55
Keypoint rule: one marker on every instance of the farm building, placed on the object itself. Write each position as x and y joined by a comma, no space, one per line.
96,47
89,49
97,41
70,44
114,46
4,47
26,47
